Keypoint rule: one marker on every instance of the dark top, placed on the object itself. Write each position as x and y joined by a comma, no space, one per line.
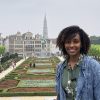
69,79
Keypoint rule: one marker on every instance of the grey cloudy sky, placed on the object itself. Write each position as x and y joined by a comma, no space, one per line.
28,15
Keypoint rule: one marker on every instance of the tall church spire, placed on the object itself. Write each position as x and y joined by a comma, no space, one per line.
45,29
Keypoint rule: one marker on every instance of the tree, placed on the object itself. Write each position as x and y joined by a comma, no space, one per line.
2,49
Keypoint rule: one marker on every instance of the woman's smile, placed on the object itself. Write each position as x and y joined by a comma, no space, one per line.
71,50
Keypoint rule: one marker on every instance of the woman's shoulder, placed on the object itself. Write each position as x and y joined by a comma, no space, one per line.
60,65
90,60
93,63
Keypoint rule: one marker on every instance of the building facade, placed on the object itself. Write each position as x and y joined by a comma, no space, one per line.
27,45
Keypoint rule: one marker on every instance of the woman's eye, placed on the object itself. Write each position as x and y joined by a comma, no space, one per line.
76,41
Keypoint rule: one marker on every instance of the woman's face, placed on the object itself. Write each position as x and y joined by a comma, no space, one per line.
73,46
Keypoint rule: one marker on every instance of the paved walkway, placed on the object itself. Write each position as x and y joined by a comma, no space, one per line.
29,98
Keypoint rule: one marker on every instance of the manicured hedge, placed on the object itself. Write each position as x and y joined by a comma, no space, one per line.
9,94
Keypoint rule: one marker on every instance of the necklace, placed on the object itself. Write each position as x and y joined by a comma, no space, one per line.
68,87
72,76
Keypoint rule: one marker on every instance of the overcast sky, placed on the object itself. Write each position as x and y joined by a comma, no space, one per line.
28,15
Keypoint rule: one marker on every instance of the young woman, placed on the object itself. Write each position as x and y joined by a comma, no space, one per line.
78,77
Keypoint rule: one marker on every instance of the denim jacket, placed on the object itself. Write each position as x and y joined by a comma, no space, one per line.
88,83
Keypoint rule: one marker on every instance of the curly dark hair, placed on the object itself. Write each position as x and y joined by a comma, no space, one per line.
68,33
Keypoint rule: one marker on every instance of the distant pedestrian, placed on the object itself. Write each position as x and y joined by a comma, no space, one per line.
13,64
30,65
34,65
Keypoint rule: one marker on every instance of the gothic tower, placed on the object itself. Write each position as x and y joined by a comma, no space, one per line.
45,29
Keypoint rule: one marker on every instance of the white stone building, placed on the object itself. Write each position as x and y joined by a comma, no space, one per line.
27,45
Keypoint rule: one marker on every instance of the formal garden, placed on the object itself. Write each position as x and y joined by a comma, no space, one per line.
30,80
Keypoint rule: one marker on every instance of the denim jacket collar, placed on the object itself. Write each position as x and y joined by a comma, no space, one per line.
63,65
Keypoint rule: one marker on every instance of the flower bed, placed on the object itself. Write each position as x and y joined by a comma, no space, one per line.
41,89
8,83
36,83
36,71
43,64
